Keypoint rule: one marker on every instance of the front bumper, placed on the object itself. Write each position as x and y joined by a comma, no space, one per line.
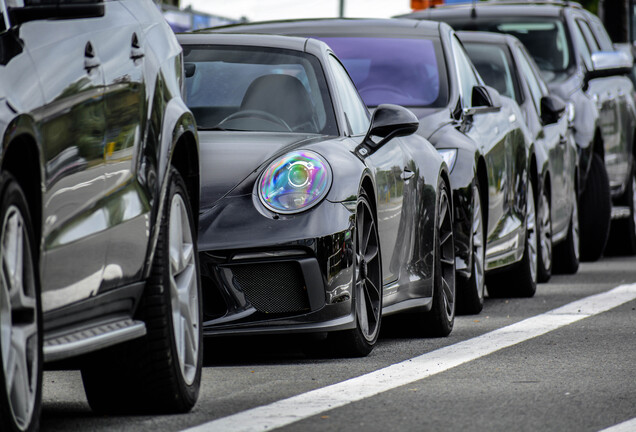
301,284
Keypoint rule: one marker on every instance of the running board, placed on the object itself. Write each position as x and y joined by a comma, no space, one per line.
621,212
92,339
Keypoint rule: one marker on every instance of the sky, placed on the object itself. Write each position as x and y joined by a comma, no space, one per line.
261,10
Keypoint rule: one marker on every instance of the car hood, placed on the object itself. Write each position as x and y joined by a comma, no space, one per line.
228,158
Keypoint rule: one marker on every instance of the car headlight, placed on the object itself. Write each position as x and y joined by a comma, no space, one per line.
449,156
295,182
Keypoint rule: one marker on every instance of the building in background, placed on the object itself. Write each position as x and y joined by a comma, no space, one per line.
183,20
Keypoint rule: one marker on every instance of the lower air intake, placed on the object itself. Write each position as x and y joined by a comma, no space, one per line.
273,287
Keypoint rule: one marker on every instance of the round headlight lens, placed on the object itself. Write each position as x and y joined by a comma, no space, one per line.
295,182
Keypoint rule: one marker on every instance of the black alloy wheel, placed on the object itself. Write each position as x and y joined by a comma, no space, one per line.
544,236
595,211
367,292
160,372
520,280
470,293
439,321
567,253
20,314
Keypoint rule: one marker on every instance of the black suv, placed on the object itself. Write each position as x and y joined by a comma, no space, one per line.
99,182
580,64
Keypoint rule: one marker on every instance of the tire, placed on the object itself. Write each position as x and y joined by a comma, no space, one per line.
521,279
623,231
566,254
367,293
439,321
161,372
20,314
470,293
595,211
544,237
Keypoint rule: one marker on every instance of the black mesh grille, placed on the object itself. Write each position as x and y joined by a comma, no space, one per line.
273,287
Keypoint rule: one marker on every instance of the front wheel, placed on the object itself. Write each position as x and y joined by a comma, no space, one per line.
544,237
595,213
566,254
439,321
20,314
470,293
161,372
521,279
623,231
367,287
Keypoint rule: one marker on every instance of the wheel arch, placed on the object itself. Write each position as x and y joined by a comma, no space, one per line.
482,177
21,157
185,158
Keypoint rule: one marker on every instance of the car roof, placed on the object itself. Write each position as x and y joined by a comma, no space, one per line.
268,41
338,26
486,37
493,9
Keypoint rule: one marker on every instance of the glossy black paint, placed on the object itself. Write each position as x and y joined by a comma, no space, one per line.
605,112
555,148
91,117
491,140
237,233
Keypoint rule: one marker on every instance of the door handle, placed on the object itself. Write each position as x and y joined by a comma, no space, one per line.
91,61
136,51
407,174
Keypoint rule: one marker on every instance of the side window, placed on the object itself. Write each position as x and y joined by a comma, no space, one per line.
533,82
355,110
602,37
4,17
465,73
589,36
583,46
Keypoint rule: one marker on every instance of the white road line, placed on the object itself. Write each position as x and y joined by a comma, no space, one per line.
302,406
627,426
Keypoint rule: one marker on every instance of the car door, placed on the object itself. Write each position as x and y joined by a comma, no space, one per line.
552,137
388,164
608,92
490,135
72,125
121,44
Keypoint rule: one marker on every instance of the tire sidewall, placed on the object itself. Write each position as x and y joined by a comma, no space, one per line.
11,195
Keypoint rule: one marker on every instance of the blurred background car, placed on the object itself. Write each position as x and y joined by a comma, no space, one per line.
579,63
504,63
482,137
315,216
99,182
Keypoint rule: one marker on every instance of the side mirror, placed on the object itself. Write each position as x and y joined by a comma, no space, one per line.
609,63
388,121
552,109
55,9
484,99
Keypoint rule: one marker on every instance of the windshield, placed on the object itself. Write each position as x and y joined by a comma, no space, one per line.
407,72
257,89
545,38
492,64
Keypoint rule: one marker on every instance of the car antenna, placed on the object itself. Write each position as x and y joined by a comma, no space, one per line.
473,10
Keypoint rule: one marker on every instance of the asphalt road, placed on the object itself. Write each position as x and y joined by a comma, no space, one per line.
576,374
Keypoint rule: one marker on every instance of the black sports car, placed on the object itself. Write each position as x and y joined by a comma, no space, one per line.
423,66
315,216
505,64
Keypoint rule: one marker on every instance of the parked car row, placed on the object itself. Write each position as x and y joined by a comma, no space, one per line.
341,170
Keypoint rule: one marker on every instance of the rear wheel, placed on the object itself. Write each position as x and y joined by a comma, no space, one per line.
470,293
566,254
595,211
20,315
544,237
439,321
367,292
521,279
161,372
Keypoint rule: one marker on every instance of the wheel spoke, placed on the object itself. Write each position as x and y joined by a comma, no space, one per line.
445,237
360,227
442,212
371,254
363,319
448,291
